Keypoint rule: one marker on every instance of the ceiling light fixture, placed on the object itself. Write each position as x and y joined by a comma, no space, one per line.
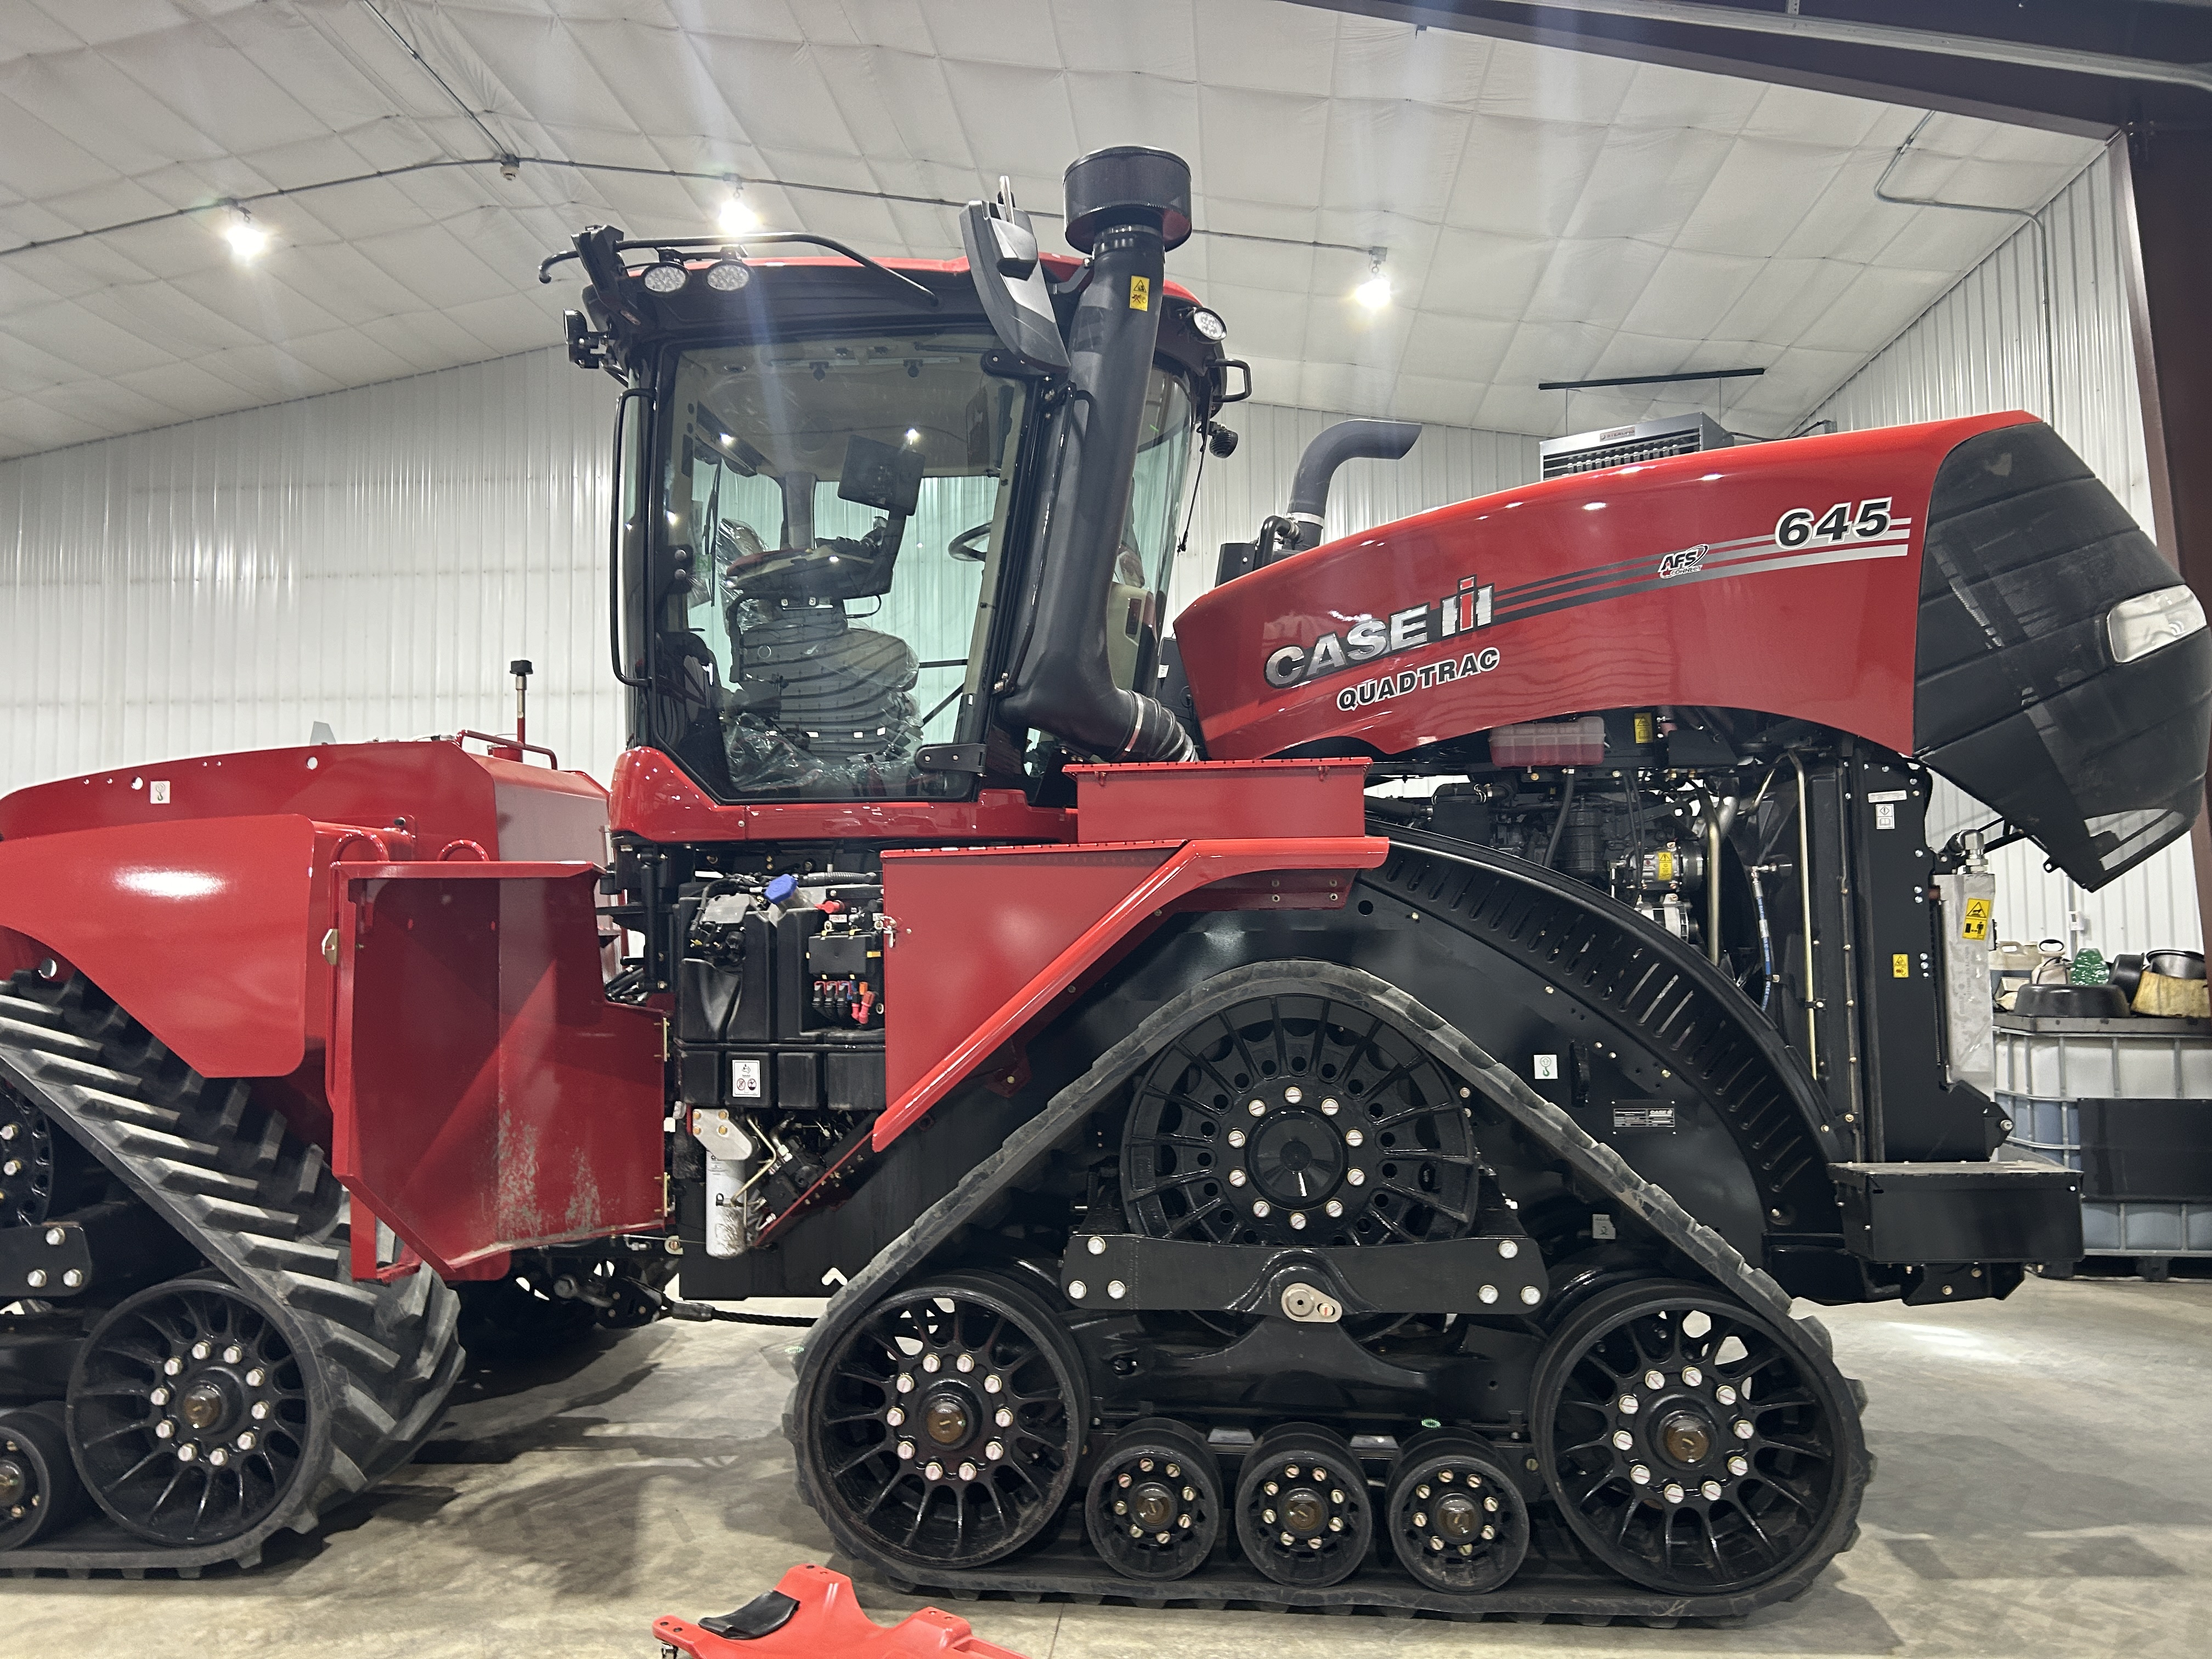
1375,291
248,242
734,217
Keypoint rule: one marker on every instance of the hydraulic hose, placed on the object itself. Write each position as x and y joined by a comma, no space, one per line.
1559,823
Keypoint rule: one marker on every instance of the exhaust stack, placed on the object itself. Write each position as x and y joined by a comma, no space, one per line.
1125,208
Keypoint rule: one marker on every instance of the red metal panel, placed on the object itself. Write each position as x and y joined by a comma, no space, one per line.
1670,582
653,797
955,992
485,1095
1231,799
204,928
445,794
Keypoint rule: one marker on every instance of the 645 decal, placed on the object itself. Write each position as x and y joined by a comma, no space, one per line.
1845,521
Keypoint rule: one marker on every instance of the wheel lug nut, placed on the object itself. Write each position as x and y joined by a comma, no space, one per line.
895,1417
1743,1430
1674,1493
1725,1394
1266,1517
1336,1524
1622,1440
1354,1138
965,1364
905,1383
187,1452
245,1441
232,1354
1003,1417
1334,1206
160,1396
932,1363
1711,1490
1355,1178
256,1377
1640,1475
906,1451
1738,1464
1260,1206
1258,1109
1236,1137
1294,1094
200,1350
219,1457
967,1471
935,1471
1628,1404
172,1367
992,1385
1691,1376
260,1411
1655,1379
993,1452
1237,1177
165,1430
1328,1108
1298,1219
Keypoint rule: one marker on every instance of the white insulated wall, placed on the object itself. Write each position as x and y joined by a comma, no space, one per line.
372,559
1982,348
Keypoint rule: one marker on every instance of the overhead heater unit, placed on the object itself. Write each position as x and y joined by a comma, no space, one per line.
1617,446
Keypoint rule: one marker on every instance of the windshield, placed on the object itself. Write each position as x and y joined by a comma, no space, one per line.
835,512
1140,570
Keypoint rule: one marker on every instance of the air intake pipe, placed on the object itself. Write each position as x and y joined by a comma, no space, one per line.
1347,441
1125,208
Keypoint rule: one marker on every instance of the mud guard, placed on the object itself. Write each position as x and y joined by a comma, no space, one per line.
813,1614
1025,1152
485,1096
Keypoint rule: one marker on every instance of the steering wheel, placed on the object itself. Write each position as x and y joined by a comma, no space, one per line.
962,546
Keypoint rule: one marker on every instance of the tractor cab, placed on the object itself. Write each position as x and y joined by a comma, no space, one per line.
836,479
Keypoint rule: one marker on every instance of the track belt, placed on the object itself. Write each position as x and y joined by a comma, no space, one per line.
262,1206
1557,1580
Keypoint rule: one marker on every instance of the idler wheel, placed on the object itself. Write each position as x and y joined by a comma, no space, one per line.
943,1428
1153,1507
188,1413
39,1490
1303,1513
1456,1520
1690,1445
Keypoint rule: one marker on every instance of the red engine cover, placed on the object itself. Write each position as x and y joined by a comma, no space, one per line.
1783,577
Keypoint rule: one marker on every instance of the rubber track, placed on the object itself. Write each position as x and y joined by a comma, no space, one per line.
264,1208
1562,1583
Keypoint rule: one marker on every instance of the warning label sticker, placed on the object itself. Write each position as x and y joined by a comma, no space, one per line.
1977,923
1140,294
1901,966
1643,1117
746,1080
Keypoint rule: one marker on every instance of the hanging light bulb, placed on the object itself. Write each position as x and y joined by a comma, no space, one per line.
734,217
1375,291
247,240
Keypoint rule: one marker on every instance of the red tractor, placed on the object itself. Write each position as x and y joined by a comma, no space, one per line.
1330,1109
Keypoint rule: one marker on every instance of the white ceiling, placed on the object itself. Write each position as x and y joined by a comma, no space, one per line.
1548,215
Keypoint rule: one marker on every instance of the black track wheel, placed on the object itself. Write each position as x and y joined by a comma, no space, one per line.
39,1490
189,1413
1456,1520
1303,1513
1153,1507
943,1429
1691,1446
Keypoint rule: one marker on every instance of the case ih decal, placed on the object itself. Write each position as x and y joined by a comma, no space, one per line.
1370,637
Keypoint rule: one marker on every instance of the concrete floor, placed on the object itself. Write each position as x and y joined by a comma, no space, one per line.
2046,1488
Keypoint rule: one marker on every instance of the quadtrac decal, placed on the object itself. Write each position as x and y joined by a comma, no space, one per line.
1843,532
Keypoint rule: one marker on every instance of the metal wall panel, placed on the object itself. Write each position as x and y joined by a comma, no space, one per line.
371,558
1983,347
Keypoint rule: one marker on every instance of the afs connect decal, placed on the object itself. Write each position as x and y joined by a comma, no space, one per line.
1853,533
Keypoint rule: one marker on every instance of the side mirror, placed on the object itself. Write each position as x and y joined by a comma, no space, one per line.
1002,262
886,476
